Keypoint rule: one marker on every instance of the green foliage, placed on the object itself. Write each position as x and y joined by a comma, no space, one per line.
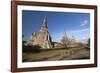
89,42
30,48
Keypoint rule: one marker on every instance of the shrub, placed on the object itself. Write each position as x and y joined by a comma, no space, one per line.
31,48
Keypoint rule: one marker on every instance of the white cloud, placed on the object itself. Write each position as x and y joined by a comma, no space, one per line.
80,30
85,22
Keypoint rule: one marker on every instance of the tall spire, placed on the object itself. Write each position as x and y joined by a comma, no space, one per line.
44,23
73,39
65,35
64,40
44,27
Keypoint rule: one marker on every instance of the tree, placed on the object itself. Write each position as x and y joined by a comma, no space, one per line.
89,42
64,41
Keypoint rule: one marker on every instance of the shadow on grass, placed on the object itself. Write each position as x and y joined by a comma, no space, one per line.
29,48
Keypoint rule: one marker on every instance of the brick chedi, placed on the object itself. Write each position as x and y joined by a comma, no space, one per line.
42,38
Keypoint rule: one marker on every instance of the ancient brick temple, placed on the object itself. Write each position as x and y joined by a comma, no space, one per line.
42,38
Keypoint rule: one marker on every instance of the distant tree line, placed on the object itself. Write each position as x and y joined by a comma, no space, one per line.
89,42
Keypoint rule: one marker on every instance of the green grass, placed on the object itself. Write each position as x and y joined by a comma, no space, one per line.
43,54
58,54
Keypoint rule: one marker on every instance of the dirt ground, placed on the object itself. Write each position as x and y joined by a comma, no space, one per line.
57,54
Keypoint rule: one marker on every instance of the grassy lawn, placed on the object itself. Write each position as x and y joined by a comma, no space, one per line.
57,54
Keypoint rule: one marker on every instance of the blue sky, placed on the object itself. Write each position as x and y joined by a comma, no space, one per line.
74,24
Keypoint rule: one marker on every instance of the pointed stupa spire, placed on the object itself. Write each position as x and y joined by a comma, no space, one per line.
44,23
73,39
64,39
65,35
44,27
